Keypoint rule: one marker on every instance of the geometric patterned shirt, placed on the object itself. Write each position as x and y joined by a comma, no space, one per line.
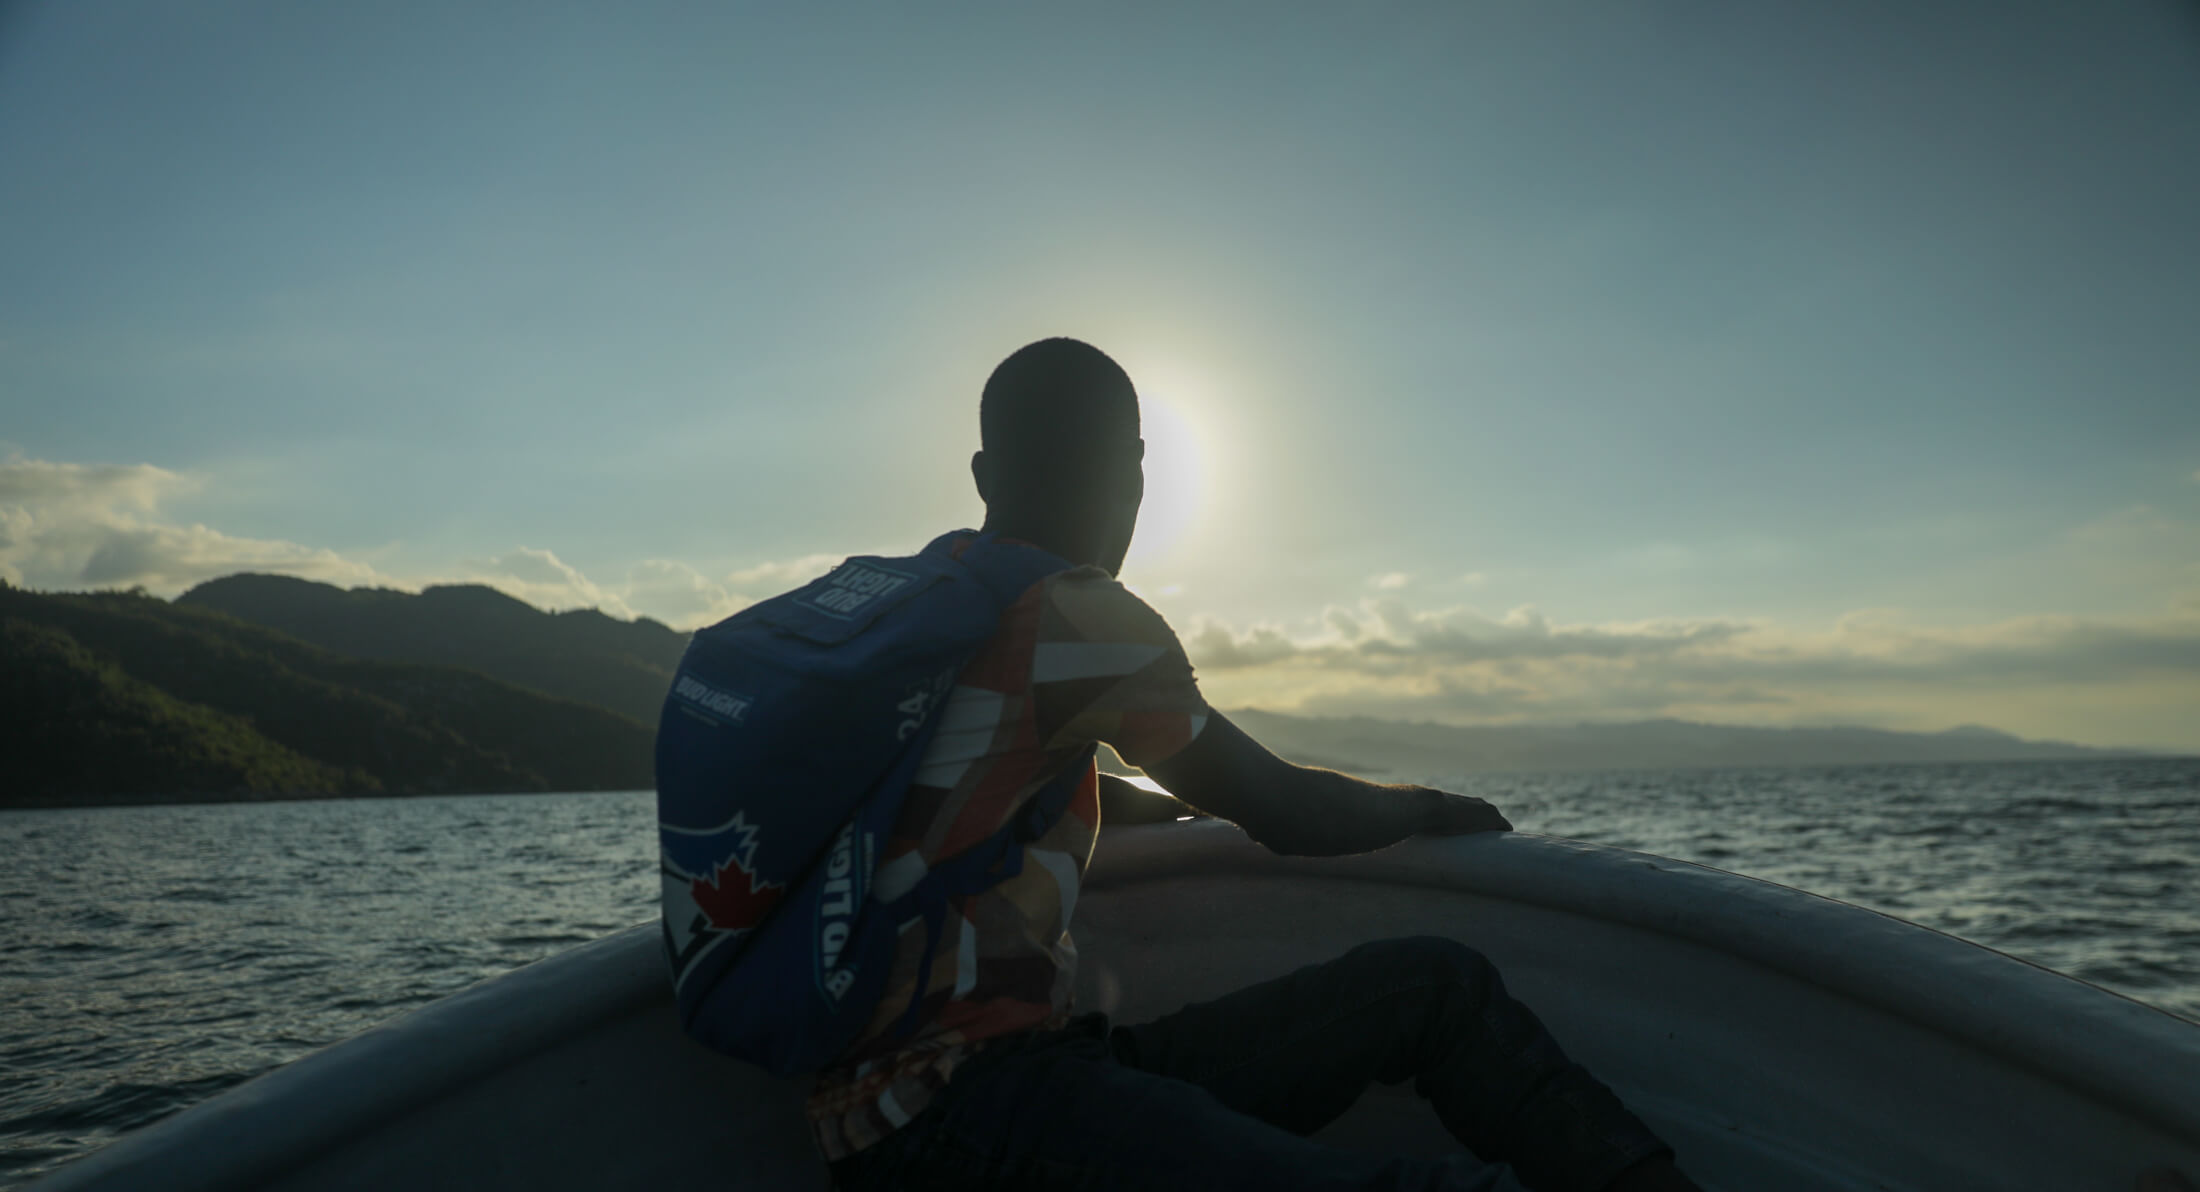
1077,659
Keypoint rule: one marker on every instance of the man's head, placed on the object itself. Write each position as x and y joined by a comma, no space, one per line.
1059,462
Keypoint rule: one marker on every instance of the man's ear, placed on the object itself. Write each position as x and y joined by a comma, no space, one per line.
981,471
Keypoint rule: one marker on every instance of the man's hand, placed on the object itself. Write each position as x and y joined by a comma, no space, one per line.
1456,815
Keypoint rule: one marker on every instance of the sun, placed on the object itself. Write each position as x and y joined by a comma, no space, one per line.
1176,479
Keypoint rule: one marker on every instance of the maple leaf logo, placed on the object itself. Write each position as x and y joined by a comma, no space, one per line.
734,899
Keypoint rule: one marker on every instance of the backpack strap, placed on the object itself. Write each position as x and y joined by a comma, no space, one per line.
1007,569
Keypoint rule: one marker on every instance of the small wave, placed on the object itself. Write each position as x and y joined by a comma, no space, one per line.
201,894
233,1014
224,961
26,1160
123,1106
2175,806
2048,805
79,948
1935,828
364,1003
2164,782
2061,929
2150,865
536,941
2088,872
2135,972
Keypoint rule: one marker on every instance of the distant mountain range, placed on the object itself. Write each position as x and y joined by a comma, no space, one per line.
583,655
259,686
1388,748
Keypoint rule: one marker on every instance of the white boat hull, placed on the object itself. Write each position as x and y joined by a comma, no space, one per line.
1778,1039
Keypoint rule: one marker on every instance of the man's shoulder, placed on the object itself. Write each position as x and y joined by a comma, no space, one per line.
1087,577
1087,604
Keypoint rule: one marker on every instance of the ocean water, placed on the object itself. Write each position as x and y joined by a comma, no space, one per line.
151,957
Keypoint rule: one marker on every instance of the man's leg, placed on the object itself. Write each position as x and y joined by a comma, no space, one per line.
1061,1113
1297,1051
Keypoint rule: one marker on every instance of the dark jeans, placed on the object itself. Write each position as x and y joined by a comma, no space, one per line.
1222,1094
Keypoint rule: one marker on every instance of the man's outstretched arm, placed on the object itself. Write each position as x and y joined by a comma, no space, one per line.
1305,811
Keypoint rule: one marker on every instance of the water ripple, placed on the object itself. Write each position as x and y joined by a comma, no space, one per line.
158,955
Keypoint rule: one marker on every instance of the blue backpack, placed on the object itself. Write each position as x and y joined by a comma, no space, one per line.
785,751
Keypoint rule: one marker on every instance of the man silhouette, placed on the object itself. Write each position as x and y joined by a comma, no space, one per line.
1000,1087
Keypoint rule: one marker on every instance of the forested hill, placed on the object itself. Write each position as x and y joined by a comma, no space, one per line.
582,655
115,697
259,686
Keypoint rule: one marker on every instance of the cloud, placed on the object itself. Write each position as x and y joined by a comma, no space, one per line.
1393,653
1217,647
72,526
2117,679
541,578
1386,636
770,579
678,594
666,589
1875,646
1346,626
40,483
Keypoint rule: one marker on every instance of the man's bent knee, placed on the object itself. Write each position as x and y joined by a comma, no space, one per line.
1432,959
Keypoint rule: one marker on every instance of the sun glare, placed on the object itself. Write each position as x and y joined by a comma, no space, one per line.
1175,479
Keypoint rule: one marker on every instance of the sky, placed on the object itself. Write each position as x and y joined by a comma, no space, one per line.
1501,361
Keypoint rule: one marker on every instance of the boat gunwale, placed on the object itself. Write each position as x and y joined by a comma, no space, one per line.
2035,1018
2051,1023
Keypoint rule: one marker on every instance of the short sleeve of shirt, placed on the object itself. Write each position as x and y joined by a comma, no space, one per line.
1106,667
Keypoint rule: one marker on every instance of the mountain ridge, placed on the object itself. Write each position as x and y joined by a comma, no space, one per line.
258,686
120,697
582,655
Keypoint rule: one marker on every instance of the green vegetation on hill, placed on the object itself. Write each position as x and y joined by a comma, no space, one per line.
257,686
86,729
281,715
584,656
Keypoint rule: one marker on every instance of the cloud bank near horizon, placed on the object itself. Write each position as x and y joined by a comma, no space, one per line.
75,526
2098,680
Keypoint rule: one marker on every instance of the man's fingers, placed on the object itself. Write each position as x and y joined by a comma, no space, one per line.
1485,817
1465,813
